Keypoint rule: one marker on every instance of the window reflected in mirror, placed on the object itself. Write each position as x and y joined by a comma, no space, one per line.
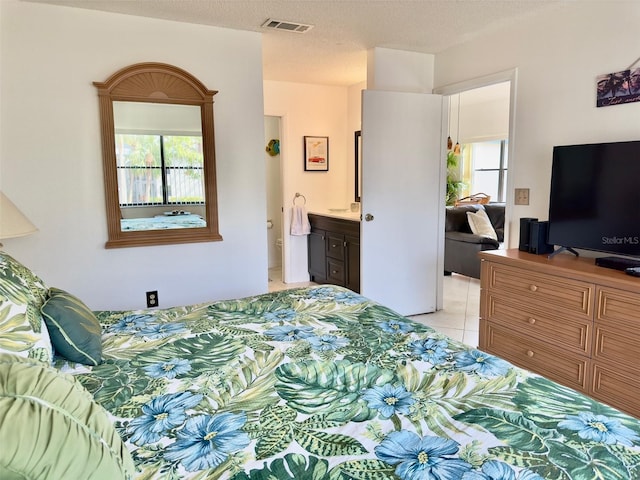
160,165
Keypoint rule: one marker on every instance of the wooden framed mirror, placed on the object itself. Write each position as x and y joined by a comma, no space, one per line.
357,141
158,151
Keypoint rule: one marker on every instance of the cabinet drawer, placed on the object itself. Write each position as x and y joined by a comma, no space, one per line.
616,329
335,246
555,363
615,306
547,291
572,334
616,386
335,272
616,344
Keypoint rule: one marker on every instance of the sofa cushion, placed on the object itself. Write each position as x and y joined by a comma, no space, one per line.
74,329
22,329
463,237
495,212
456,218
481,225
50,427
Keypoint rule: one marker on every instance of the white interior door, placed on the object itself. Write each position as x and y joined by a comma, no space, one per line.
402,230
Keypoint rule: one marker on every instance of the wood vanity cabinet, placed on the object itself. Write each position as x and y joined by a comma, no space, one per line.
334,251
566,319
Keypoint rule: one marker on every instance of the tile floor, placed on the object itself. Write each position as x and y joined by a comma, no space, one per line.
276,284
460,316
459,319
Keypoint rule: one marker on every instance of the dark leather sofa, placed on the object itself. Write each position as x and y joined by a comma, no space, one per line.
461,246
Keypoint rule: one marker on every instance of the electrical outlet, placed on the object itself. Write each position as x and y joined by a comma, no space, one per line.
152,299
522,196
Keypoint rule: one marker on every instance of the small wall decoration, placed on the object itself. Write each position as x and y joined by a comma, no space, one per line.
316,154
618,88
273,147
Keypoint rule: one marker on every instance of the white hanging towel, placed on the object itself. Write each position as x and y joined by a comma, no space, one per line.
299,221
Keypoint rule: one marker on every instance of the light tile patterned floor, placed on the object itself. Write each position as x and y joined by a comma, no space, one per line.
460,316
276,284
459,319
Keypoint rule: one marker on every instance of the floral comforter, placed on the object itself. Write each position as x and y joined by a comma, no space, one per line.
323,384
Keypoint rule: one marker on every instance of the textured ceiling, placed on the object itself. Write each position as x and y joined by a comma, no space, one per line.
334,51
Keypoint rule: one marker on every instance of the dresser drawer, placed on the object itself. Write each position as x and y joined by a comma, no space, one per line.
555,363
335,246
566,332
615,306
616,344
616,386
335,272
617,328
546,291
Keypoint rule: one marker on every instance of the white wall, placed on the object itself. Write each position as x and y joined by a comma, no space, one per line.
51,163
399,71
311,110
558,55
484,114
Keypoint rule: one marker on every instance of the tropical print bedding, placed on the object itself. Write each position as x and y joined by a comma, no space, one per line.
162,222
321,383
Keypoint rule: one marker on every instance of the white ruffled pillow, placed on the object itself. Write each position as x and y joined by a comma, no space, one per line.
22,328
481,225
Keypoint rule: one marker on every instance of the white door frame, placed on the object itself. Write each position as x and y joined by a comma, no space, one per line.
479,82
286,261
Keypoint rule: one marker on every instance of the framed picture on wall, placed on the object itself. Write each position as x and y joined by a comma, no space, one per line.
316,154
618,87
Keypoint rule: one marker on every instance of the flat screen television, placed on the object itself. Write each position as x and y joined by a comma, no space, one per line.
595,197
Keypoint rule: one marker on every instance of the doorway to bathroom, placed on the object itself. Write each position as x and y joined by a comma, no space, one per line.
272,128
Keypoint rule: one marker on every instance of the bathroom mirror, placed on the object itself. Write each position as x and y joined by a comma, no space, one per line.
358,164
158,152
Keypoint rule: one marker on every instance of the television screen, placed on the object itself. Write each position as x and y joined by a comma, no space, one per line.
595,197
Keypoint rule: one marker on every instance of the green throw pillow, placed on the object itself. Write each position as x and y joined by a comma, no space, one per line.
51,428
74,330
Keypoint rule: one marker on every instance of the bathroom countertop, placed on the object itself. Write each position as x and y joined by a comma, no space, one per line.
348,215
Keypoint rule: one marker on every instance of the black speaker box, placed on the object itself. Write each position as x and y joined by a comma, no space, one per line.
525,232
538,238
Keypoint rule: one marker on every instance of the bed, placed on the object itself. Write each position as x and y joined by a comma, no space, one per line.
162,222
311,383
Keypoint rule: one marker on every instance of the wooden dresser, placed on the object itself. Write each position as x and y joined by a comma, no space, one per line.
564,318
334,251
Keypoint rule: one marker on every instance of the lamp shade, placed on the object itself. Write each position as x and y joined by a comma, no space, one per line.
12,221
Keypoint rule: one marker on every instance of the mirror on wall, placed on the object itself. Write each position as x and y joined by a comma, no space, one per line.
159,157
358,165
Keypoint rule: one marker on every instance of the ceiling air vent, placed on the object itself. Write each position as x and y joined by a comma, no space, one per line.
288,26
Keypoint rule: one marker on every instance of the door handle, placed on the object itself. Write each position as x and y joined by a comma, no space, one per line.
368,217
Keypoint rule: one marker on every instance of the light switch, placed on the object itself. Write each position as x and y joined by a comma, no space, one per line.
522,196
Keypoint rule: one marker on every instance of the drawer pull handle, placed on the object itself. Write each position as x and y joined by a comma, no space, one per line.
333,245
529,353
533,288
334,271
532,321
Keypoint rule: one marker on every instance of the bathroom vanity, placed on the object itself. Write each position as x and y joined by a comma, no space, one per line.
334,249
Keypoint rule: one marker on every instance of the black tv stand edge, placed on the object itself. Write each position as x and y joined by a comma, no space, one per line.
617,263
562,249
